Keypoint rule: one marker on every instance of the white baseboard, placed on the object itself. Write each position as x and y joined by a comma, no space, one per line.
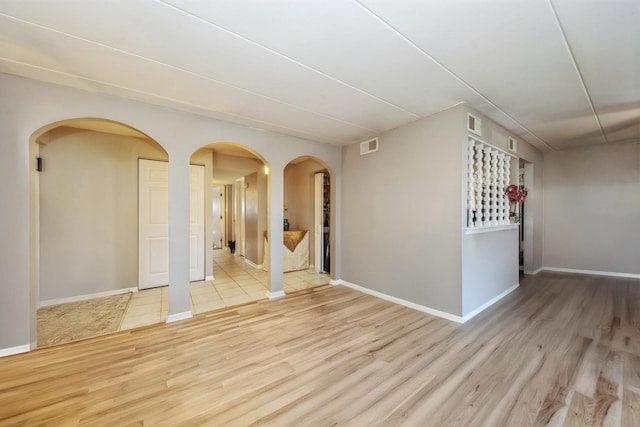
274,295
209,278
400,301
252,264
533,272
14,350
179,316
489,303
334,282
86,297
592,272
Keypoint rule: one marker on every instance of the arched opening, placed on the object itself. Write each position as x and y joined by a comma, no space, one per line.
235,216
84,227
308,223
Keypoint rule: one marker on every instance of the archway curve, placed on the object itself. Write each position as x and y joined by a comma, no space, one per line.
96,124
233,148
38,141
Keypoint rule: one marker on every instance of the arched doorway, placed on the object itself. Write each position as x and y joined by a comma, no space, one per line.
308,216
84,226
236,219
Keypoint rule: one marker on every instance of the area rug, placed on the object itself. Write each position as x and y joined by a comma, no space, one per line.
76,320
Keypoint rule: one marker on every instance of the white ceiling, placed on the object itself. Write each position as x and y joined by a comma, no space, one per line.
558,73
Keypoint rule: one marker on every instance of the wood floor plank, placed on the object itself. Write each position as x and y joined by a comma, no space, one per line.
561,350
630,409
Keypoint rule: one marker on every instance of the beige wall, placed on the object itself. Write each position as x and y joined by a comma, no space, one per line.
89,212
251,217
263,212
592,208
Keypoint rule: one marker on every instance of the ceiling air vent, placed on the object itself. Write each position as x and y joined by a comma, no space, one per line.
369,146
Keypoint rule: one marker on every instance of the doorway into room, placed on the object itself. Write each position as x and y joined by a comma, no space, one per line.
525,231
322,211
85,238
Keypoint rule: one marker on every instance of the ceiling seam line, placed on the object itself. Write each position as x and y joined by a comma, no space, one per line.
290,59
155,96
578,72
193,73
454,75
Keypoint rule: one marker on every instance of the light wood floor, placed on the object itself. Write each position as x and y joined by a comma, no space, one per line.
561,350
236,283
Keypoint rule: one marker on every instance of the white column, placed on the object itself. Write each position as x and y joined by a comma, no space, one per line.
492,187
471,191
479,184
501,188
276,218
179,307
487,185
507,177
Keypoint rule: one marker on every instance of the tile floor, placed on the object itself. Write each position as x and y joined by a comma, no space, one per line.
235,283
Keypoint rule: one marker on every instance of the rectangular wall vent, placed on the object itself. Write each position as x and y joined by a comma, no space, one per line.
369,146
512,145
474,124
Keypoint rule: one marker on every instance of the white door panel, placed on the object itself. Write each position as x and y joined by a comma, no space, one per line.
153,241
153,227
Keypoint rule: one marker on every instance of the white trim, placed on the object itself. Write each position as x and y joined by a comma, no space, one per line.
335,282
86,297
489,303
274,295
400,301
252,264
490,229
592,272
179,316
14,350
533,272
209,278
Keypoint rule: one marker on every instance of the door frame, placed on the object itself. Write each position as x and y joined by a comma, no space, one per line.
318,221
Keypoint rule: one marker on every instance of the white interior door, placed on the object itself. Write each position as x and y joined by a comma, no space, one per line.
153,226
196,223
318,221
